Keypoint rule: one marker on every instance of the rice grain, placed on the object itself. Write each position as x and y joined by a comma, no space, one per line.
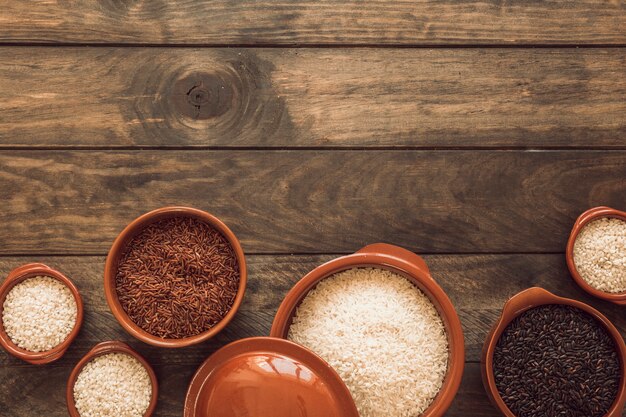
381,334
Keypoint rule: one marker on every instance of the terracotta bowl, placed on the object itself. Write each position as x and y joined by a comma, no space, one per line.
515,306
103,349
136,226
588,216
30,271
267,376
409,265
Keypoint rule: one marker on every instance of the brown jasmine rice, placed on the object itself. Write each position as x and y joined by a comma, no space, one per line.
39,313
600,254
381,334
113,385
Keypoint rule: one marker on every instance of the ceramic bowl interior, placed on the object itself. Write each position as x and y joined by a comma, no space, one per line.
21,274
267,376
410,266
584,219
103,349
526,300
119,247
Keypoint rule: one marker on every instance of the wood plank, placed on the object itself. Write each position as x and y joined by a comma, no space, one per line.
314,22
186,97
477,284
35,391
311,201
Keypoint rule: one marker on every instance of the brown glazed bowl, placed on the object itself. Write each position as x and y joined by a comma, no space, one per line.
20,274
409,265
104,348
136,226
525,300
588,216
267,376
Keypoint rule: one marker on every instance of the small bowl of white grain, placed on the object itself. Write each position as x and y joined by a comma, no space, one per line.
41,312
112,380
596,253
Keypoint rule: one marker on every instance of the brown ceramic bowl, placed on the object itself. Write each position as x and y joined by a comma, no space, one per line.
20,274
267,376
409,265
103,349
588,216
523,301
136,226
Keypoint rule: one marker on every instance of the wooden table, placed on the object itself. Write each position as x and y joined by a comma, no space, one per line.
471,132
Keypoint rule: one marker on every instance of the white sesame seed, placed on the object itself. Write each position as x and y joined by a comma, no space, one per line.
600,254
39,313
113,385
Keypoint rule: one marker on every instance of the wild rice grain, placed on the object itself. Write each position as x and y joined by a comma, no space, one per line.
39,313
381,334
556,360
113,385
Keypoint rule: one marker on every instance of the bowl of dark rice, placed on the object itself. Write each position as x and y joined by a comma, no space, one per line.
550,356
175,276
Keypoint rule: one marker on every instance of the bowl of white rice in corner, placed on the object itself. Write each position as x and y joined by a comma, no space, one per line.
383,323
596,253
112,380
41,312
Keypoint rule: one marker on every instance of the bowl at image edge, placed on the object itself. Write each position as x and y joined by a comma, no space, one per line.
513,308
584,219
119,245
23,273
410,266
104,348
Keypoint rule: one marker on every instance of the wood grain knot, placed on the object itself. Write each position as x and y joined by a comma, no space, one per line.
219,97
202,96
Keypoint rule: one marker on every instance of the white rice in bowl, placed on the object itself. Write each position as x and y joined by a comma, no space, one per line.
382,335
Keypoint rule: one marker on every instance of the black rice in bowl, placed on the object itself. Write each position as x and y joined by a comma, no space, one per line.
557,360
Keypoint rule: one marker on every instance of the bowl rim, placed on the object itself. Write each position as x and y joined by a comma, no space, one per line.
585,218
267,345
409,265
103,348
128,232
524,301
20,274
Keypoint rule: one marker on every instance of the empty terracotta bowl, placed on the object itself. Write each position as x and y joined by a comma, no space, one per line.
117,251
30,271
588,216
266,376
103,349
514,307
409,265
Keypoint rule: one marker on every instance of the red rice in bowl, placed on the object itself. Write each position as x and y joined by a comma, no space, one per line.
177,278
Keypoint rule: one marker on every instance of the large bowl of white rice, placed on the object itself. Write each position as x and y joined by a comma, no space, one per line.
383,323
